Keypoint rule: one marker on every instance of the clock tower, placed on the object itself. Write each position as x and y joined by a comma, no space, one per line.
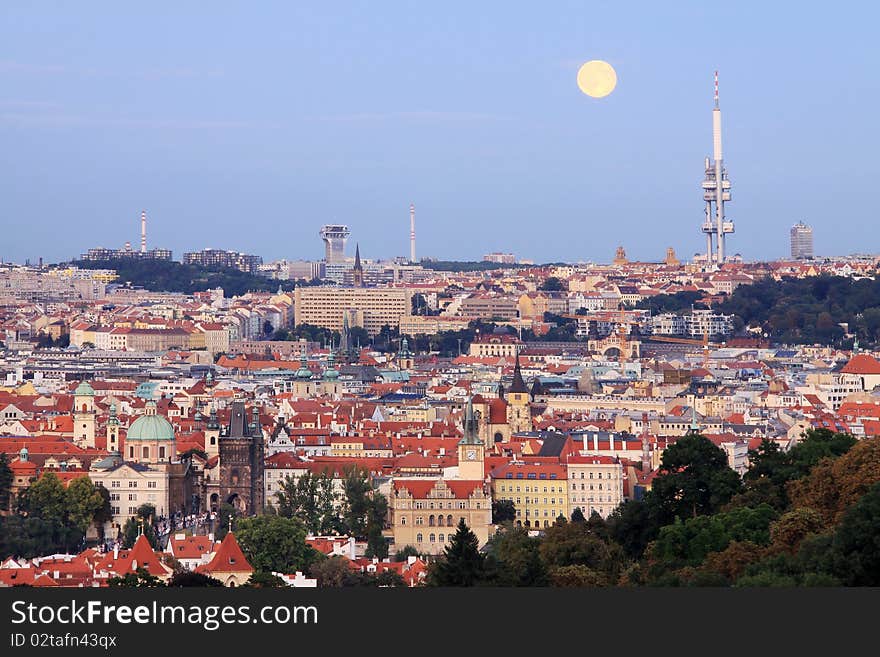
471,450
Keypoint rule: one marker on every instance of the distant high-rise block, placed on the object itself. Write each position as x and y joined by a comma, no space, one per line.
335,237
801,241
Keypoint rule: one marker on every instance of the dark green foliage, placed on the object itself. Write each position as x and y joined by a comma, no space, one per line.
688,542
6,479
227,516
503,511
131,580
856,542
263,580
632,525
32,536
275,544
142,522
377,512
187,578
694,480
552,284
514,559
171,276
808,310
578,515
672,303
311,499
405,552
462,564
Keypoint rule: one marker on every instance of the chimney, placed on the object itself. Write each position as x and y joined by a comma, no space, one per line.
115,551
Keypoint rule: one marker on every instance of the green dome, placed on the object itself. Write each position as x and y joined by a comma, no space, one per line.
150,427
84,389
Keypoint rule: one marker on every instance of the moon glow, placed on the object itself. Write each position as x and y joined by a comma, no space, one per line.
596,78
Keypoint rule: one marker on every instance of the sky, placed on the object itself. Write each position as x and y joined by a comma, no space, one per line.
247,126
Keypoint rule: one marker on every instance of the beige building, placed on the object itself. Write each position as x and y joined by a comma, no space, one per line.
370,308
487,306
595,483
424,511
507,346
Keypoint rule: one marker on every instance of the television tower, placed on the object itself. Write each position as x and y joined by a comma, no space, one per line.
716,189
143,231
335,236
412,232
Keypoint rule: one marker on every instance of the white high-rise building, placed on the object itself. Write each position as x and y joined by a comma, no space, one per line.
801,241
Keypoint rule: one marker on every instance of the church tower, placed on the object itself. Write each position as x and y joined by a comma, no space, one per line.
113,430
519,412
471,450
357,273
405,358
84,415
212,434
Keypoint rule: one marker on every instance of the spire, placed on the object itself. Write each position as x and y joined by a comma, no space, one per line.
358,271
357,257
518,385
470,426
113,419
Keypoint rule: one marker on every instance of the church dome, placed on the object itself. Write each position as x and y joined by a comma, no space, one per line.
84,389
150,426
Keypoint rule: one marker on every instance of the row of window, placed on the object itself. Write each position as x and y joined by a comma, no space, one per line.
449,505
529,489
610,475
439,521
146,452
115,483
440,538
574,487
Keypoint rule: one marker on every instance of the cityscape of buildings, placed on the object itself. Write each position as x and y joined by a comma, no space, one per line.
558,395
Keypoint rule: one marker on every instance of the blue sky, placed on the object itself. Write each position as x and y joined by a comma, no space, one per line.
249,125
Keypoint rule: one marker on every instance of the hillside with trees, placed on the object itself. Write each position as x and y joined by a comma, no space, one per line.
171,276
806,517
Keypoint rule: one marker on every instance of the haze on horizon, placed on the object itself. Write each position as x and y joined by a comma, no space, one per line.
247,130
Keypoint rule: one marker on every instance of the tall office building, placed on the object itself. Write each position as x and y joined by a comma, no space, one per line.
801,241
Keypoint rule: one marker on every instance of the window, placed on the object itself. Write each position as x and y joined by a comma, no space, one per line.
449,520
418,538
114,484
403,521
420,520
132,484
146,452
151,484
162,452
432,538
430,521
132,497
114,497
131,452
441,538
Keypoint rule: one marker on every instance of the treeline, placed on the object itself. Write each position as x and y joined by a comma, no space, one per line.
172,276
806,517
48,518
466,265
810,310
794,310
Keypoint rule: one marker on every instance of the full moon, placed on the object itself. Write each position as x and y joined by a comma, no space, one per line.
596,78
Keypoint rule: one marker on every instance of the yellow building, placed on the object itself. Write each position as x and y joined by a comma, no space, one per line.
538,491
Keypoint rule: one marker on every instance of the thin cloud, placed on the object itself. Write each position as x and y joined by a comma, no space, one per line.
72,120
430,116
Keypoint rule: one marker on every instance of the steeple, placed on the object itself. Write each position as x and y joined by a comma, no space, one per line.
331,374
470,426
518,386
358,270
212,419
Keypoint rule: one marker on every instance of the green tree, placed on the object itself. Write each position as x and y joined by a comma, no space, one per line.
377,512
357,489
263,580
275,543
572,543
226,518
141,523
578,515
311,499
188,578
633,525
461,564
856,542
85,502
140,578
552,284
577,575
335,572
6,480
514,559
503,511
406,552
694,479
46,498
